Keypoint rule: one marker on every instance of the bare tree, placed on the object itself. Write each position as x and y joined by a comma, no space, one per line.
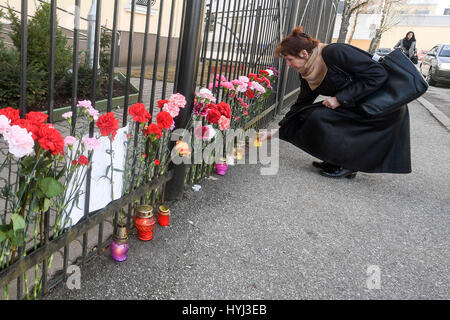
350,6
370,7
355,21
389,17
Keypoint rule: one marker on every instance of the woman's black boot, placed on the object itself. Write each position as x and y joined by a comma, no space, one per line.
323,165
338,173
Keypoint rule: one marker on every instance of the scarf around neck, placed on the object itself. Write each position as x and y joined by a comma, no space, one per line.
407,43
315,69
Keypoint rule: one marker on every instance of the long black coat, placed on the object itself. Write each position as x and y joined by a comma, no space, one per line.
345,136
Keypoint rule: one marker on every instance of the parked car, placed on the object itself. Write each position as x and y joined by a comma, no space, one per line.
422,54
383,51
435,66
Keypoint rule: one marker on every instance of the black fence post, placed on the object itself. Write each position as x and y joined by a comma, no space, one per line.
186,83
290,23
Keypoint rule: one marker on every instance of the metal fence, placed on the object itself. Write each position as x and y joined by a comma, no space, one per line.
216,37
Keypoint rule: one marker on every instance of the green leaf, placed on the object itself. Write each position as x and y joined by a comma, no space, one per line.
5,228
51,187
28,162
47,203
18,222
2,237
39,194
16,238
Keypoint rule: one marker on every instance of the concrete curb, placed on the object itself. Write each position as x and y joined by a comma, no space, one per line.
435,112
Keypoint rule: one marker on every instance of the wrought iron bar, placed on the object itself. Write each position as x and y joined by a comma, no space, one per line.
76,43
169,40
155,62
113,56
129,60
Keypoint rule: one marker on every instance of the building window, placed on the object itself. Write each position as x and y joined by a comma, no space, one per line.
340,9
422,12
145,2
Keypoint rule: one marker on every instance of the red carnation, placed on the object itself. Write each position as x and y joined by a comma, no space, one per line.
266,81
37,117
50,139
11,114
264,72
139,113
213,115
157,162
161,103
252,76
250,94
108,125
30,126
153,129
83,160
211,106
164,120
225,109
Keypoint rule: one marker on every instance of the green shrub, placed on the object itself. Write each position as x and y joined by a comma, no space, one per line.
10,77
38,52
38,46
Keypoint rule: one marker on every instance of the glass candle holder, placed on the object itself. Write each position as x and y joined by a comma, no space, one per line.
163,216
144,222
221,166
119,245
257,140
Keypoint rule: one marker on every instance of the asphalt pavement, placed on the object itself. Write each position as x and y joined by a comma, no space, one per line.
296,234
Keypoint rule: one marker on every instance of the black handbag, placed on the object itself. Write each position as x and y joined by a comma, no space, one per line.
415,58
403,85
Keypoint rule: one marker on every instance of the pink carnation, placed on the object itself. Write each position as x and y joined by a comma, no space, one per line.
178,99
4,124
85,104
212,84
242,88
69,140
67,115
224,123
227,85
244,79
258,87
221,77
94,113
91,143
201,132
172,109
20,141
205,95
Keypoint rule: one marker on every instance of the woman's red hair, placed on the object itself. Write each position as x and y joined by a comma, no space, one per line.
296,42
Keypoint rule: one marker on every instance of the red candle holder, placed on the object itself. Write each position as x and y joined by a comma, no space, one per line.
163,216
144,222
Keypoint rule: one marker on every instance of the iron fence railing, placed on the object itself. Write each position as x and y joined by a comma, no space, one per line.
216,38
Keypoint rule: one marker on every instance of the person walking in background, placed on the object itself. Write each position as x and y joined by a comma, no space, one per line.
335,130
408,45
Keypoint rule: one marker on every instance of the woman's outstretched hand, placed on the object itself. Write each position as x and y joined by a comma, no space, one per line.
331,102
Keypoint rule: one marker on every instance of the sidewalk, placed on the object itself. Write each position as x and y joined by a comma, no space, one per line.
296,235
